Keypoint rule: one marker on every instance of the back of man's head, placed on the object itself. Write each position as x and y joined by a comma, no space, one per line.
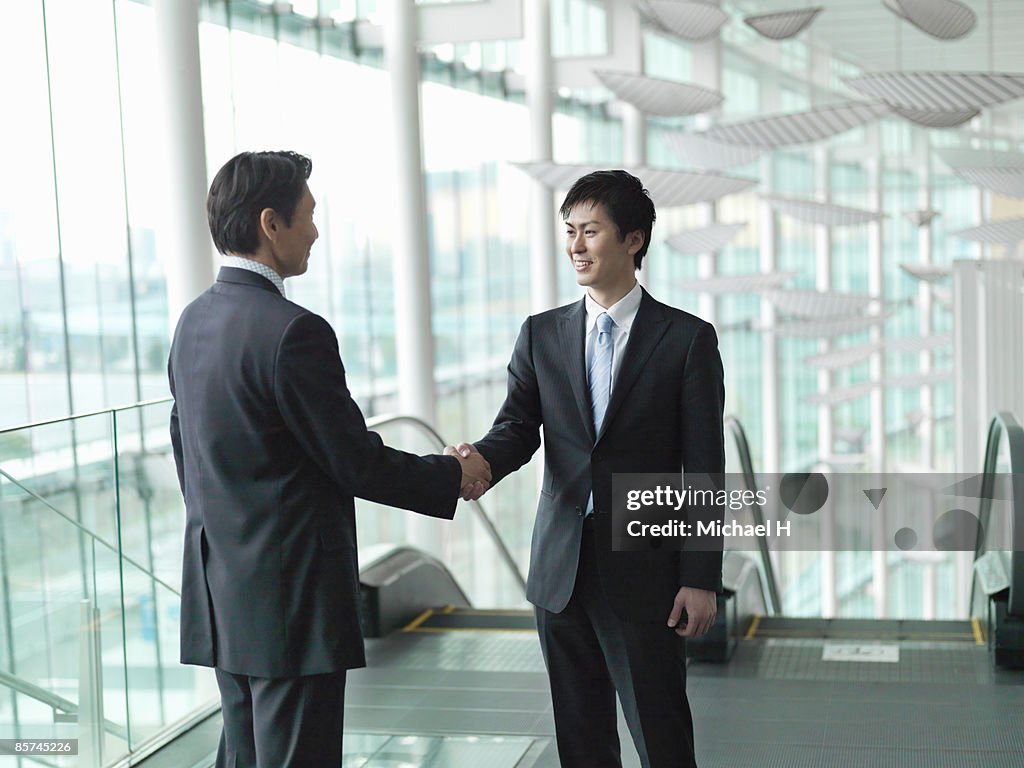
247,184
625,200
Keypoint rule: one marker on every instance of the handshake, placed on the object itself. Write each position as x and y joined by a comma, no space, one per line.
476,472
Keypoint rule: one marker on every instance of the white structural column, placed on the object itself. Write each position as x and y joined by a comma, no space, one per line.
539,104
823,282
771,445
414,340
634,155
634,136
876,287
707,72
771,438
627,42
926,429
876,365
410,253
183,240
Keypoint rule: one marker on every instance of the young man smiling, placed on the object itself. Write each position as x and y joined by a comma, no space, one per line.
619,382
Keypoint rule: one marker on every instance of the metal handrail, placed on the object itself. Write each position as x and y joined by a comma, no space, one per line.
1004,422
88,414
734,427
478,508
52,700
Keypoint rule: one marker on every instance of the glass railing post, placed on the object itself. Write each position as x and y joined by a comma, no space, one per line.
119,542
5,585
90,689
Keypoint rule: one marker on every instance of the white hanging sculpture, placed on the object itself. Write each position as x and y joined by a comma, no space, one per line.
810,303
700,151
929,273
942,19
921,217
827,214
784,24
930,118
692,242
691,21
940,91
653,96
667,187
798,127
730,284
1001,232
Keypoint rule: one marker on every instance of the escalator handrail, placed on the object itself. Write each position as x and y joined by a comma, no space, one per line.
478,509
1004,423
734,427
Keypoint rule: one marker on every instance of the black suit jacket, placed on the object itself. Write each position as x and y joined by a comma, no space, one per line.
270,450
665,413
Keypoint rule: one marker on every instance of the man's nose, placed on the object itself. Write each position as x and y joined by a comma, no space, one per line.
579,244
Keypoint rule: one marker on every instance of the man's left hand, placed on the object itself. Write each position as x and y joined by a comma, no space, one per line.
700,605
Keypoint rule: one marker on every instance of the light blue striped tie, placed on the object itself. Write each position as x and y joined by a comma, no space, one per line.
599,374
600,370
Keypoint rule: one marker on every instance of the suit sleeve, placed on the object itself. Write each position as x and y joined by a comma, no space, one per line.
515,435
703,398
317,407
179,459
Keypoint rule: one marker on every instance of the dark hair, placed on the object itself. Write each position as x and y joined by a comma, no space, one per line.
624,198
248,183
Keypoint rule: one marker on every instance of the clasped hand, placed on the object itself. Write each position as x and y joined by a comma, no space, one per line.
476,472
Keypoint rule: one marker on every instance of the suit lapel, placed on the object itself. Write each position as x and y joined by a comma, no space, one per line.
572,335
647,330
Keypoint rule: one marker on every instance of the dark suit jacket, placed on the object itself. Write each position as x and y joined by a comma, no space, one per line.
271,449
665,413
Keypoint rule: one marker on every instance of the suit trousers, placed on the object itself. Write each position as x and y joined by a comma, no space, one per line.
287,722
590,655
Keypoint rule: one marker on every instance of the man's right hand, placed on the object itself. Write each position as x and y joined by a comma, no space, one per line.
476,472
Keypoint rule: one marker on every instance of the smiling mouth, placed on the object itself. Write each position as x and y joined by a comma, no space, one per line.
581,263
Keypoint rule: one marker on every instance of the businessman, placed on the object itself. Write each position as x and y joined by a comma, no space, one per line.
620,383
270,450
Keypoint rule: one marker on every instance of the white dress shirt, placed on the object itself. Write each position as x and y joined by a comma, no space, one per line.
623,313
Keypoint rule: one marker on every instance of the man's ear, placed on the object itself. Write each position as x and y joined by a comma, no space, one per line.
635,241
269,223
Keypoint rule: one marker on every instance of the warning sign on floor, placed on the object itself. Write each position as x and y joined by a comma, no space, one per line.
880,652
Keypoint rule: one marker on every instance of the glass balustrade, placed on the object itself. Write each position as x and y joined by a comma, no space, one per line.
91,521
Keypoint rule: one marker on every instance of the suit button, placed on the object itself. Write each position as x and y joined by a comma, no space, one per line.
579,512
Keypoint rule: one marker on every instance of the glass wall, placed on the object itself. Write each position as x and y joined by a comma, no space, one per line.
83,304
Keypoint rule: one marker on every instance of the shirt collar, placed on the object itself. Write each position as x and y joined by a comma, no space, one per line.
623,312
240,262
